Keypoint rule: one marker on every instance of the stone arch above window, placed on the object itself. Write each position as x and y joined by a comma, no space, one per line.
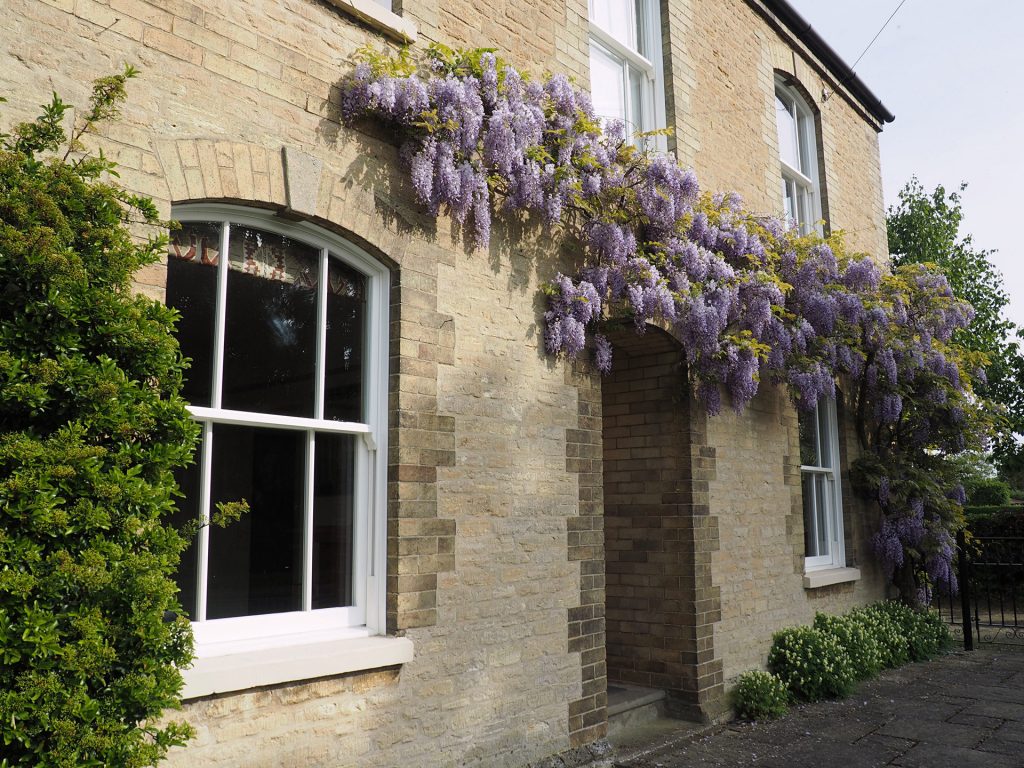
284,178
798,132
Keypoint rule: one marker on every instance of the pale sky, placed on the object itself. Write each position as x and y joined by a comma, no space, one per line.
952,74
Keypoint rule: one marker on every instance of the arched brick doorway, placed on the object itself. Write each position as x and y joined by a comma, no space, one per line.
658,613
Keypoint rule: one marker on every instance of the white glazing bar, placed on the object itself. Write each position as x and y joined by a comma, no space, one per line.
622,51
361,521
796,174
203,537
307,544
246,418
219,325
321,334
371,498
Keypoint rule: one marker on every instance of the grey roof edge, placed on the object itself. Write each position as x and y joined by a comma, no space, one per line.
847,78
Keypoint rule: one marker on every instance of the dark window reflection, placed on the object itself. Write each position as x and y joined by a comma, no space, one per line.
192,258
255,564
270,333
809,438
346,310
188,480
332,520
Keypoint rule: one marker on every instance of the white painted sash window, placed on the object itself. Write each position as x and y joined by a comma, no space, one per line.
798,156
822,497
626,78
286,326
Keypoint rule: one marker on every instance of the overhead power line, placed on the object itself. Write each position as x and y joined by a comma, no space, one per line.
826,94
879,32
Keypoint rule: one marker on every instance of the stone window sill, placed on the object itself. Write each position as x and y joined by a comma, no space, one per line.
239,666
380,18
826,577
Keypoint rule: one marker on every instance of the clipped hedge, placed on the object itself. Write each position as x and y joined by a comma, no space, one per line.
988,491
995,520
827,659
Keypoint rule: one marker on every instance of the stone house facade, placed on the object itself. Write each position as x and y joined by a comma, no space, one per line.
478,539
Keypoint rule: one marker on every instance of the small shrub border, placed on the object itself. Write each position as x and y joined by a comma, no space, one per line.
827,659
760,695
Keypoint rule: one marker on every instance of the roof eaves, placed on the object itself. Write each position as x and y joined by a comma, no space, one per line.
816,44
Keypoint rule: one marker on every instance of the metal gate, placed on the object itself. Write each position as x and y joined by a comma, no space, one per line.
990,570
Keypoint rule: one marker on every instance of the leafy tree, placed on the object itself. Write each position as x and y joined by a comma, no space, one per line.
91,429
925,228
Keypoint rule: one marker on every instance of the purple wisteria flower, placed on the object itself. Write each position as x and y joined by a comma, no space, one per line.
748,298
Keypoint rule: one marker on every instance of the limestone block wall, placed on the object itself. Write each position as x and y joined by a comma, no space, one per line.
494,534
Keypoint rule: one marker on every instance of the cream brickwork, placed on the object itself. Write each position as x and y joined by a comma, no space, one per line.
723,60
495,531
759,567
479,435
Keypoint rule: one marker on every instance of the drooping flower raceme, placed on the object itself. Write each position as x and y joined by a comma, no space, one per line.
748,298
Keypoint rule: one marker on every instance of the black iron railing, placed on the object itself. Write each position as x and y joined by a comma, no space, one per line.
990,571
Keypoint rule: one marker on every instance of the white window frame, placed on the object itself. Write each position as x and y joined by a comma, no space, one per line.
648,60
232,653
802,183
836,556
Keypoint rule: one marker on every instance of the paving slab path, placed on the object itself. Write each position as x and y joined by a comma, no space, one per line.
961,710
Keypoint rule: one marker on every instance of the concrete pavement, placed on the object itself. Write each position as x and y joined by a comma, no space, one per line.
961,710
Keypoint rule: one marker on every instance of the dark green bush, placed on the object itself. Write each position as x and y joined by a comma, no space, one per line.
988,491
91,429
861,645
813,664
995,520
760,695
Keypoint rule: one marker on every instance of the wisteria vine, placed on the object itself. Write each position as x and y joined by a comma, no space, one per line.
747,296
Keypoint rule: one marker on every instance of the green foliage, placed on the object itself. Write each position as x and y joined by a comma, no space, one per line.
923,631
925,228
760,695
91,429
995,521
988,492
825,660
860,644
813,664
890,636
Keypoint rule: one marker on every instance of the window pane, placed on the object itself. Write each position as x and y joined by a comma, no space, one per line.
192,258
823,508
808,439
333,484
788,201
640,26
637,81
346,317
255,564
188,480
270,332
825,431
616,18
607,86
810,516
786,121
